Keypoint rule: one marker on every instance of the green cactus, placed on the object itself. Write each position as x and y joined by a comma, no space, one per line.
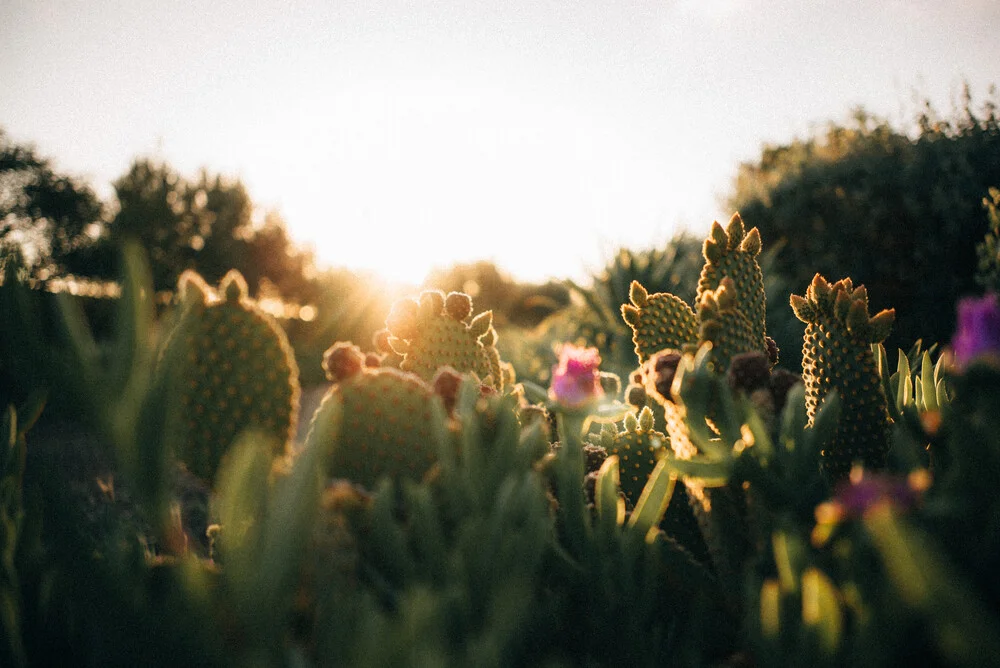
723,324
236,372
658,321
436,331
638,448
837,355
376,422
732,253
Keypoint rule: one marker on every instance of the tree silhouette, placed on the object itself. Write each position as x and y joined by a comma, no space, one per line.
46,216
899,213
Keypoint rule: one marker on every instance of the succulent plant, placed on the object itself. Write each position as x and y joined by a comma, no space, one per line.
837,355
437,330
638,447
376,422
236,372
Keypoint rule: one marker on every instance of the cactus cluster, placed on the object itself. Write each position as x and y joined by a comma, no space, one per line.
235,371
729,308
837,355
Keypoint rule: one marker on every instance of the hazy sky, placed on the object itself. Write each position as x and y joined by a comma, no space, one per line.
400,135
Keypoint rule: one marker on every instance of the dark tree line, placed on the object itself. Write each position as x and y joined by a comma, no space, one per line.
899,210
59,226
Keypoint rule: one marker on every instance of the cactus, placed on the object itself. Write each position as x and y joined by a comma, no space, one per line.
732,253
723,323
374,421
638,448
837,355
436,331
730,303
658,321
236,372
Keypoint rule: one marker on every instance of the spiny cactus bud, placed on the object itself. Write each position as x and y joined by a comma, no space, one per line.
458,305
343,360
659,373
446,384
749,372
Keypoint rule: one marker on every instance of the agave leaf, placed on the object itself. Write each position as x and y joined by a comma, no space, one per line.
821,608
610,506
928,393
653,501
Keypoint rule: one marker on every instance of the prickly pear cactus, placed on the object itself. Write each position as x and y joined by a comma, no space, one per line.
236,372
837,355
725,325
374,421
438,330
638,447
732,252
658,321
730,303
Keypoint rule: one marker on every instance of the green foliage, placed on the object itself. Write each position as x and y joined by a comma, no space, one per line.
869,200
988,250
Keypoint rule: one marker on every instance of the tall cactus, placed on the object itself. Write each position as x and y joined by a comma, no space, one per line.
236,371
837,355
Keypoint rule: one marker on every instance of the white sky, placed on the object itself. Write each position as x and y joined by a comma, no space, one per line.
400,135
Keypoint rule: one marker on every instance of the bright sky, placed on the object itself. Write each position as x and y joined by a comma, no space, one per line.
399,135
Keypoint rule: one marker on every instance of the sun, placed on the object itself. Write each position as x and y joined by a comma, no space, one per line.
403,177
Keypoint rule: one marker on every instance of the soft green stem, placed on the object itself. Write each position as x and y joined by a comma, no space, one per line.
569,479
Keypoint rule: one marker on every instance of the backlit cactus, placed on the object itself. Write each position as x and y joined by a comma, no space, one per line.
376,422
438,330
837,355
638,448
725,325
732,252
235,372
729,309
658,321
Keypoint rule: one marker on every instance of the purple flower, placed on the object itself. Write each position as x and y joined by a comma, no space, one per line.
576,380
978,330
865,490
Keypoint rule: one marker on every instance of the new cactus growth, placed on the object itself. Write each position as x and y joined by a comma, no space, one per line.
837,355
658,321
730,303
725,325
236,372
638,448
438,330
732,252
376,422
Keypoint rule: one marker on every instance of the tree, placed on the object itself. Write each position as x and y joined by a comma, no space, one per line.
45,216
900,214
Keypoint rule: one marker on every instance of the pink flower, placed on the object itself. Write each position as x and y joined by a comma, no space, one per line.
978,330
576,380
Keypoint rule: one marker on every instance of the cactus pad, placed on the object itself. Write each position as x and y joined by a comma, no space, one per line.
837,355
437,331
638,447
375,421
722,323
236,371
733,252
660,320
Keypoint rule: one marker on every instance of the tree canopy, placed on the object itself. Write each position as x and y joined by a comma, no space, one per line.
898,211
